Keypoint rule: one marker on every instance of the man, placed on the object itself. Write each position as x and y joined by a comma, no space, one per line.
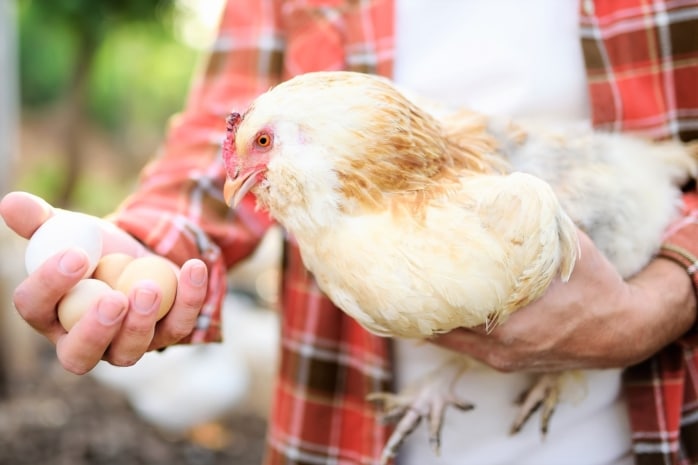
641,65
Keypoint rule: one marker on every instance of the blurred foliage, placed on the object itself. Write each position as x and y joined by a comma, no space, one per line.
92,18
96,193
140,78
119,66
46,56
135,53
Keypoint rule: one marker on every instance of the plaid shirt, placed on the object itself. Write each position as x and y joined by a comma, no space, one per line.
329,364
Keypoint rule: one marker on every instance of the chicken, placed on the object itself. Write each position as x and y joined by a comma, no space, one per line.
185,387
415,225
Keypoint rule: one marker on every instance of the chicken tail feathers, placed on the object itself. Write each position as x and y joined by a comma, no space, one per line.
681,159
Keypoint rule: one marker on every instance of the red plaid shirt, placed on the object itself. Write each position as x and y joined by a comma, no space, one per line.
643,76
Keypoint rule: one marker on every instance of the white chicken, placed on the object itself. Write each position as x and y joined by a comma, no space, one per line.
185,386
415,225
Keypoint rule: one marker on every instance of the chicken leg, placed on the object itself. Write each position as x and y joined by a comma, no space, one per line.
544,394
428,398
546,391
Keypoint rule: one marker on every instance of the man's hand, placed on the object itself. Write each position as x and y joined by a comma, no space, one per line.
595,320
118,328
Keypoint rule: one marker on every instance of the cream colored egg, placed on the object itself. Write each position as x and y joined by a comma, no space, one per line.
79,299
156,269
62,231
110,267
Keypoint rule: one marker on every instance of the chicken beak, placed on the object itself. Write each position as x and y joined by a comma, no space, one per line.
235,189
230,188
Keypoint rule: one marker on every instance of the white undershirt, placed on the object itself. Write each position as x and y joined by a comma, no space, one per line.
513,57
518,58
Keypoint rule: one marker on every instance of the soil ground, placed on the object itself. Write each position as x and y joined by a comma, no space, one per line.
63,419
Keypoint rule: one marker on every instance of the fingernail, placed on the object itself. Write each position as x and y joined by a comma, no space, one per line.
71,261
109,311
144,300
197,274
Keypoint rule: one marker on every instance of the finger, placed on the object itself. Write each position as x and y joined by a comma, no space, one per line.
138,327
37,296
191,294
24,212
467,342
84,346
495,351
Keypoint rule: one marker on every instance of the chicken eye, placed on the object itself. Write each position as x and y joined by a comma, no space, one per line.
263,140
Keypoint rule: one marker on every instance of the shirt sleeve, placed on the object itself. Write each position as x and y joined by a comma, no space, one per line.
177,208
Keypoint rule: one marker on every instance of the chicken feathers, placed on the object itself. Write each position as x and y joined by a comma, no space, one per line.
409,231
415,224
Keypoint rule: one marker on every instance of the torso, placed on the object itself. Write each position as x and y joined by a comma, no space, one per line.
519,59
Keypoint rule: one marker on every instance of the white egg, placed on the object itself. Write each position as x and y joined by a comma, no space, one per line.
62,231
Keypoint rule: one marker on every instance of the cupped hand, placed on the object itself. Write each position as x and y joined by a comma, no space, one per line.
595,320
118,328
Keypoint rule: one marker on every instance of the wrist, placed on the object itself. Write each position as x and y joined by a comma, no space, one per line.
663,305
682,257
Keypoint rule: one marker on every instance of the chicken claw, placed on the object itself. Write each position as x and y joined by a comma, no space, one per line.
544,393
425,400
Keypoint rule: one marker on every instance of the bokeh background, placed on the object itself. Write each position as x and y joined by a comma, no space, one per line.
86,90
97,82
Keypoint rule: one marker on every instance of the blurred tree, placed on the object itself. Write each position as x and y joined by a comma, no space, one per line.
62,39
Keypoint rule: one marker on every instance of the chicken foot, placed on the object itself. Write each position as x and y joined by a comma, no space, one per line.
544,394
427,399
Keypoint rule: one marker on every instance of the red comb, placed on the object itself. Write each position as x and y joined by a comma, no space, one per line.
232,122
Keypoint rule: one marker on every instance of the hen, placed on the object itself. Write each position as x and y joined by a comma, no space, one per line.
415,225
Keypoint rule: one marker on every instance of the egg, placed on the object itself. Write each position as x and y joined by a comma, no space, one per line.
62,231
79,299
156,269
110,267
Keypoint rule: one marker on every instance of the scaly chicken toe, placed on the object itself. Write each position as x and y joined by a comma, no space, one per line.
544,393
409,412
426,399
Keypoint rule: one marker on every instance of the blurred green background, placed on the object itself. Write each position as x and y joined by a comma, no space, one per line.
98,80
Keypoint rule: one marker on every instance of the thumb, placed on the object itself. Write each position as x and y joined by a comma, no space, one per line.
24,212
465,341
